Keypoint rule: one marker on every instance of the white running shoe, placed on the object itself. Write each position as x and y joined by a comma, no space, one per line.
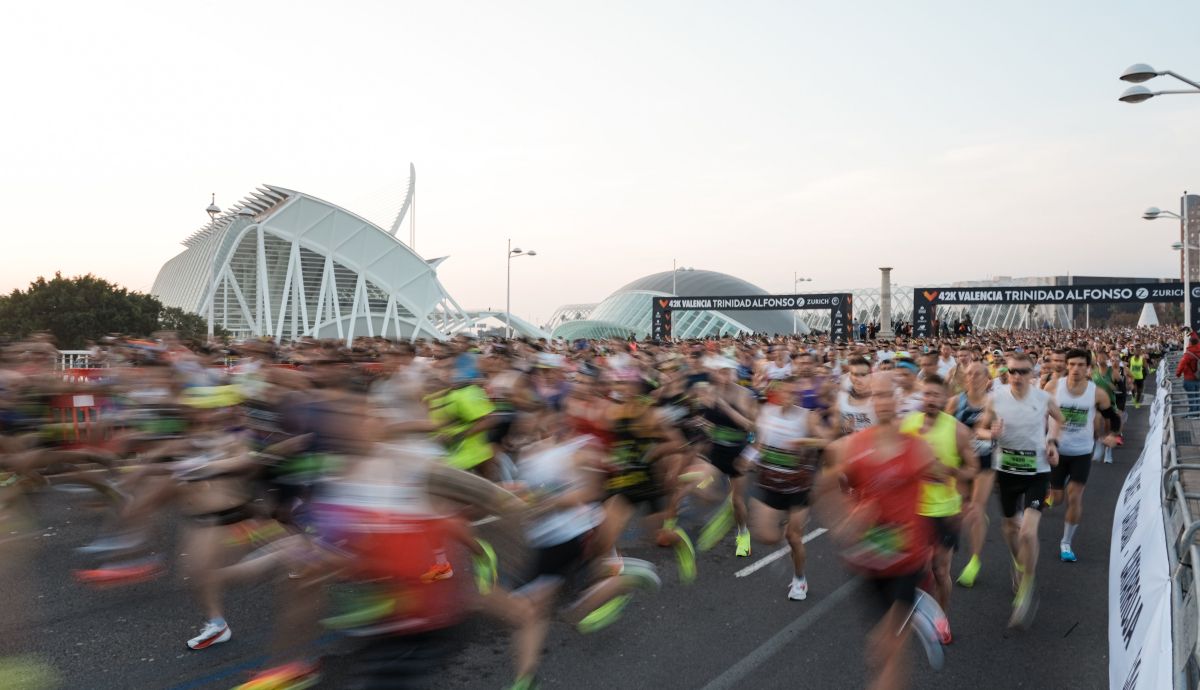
799,590
211,634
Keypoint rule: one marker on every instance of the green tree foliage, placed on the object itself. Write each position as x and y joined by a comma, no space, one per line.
76,310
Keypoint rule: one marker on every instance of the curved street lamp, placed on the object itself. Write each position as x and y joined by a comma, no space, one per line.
513,252
1154,213
1141,72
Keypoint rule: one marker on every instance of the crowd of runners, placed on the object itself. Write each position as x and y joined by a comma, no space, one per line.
393,489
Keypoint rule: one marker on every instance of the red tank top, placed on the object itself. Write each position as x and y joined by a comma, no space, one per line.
899,540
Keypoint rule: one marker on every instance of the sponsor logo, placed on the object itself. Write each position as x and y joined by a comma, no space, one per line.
1196,292
799,301
1142,293
930,295
663,303
836,300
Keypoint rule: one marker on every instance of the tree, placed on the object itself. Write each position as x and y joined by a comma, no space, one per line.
76,310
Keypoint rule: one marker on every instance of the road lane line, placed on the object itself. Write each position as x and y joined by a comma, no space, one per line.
758,565
735,676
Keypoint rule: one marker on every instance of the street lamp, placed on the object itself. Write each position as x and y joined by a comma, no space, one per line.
796,280
674,272
1141,72
213,210
1154,213
512,252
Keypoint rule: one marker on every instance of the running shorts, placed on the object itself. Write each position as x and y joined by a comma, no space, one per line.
895,589
1075,468
945,531
724,459
781,501
1025,490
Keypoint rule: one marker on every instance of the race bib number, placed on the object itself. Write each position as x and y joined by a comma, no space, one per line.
1075,417
1018,461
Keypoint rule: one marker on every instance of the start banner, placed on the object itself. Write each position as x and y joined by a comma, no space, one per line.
1139,580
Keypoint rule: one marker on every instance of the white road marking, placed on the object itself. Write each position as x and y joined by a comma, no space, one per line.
735,676
760,564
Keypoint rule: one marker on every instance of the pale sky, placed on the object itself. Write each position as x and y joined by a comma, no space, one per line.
950,140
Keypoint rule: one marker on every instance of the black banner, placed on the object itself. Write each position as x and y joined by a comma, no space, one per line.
839,304
926,300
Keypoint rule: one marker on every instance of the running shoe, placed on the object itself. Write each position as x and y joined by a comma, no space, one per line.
685,553
1025,605
485,567
798,591
742,550
605,615
360,609
1065,554
1016,572
525,683
212,634
969,572
438,571
27,672
717,527
297,675
924,616
942,625
643,573
116,542
123,573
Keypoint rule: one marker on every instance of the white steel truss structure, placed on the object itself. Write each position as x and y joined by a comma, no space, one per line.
285,264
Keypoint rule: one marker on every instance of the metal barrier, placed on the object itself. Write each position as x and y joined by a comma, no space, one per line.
1181,514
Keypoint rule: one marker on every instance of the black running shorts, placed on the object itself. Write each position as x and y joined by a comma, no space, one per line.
1028,491
1074,468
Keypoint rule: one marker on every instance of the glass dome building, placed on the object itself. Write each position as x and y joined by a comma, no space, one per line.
627,311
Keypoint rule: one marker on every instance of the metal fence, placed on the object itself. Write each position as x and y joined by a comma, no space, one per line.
1181,513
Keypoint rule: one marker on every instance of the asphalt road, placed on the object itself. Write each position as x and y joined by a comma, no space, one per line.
730,629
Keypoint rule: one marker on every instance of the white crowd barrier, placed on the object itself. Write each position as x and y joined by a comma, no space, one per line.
1139,573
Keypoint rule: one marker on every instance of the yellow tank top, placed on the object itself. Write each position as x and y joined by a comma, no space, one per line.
938,499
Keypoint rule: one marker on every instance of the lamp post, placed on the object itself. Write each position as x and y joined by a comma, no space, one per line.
508,289
1141,72
1154,213
796,280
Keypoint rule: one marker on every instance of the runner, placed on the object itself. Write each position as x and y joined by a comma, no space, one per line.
941,501
1017,415
1078,398
968,407
854,403
729,411
788,457
875,517
1137,371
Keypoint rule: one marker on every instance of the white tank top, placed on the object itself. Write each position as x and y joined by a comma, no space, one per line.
776,430
1079,413
1021,448
551,472
856,417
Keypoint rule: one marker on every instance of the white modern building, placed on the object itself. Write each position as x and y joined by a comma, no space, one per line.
285,264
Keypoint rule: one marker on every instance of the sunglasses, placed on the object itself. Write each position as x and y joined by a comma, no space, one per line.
1022,371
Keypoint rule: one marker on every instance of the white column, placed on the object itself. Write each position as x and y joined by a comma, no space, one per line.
885,303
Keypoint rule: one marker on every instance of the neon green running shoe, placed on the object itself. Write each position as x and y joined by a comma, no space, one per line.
742,550
27,673
969,572
686,554
1024,605
485,567
362,609
524,683
717,527
605,615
